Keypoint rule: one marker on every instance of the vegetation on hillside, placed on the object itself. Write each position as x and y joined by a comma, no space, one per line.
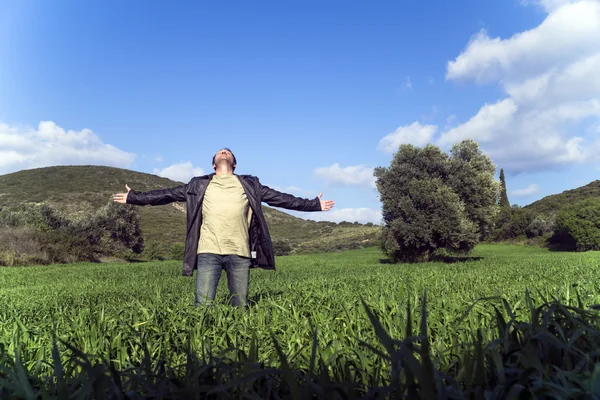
538,223
79,192
556,202
40,234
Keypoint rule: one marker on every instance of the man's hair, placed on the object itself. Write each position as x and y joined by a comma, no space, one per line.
232,155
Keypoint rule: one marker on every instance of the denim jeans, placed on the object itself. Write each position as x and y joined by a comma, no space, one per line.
209,273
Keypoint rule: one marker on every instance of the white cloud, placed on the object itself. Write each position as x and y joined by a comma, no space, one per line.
415,133
358,175
552,102
528,191
407,84
483,126
295,190
569,32
158,159
548,5
49,144
362,215
182,172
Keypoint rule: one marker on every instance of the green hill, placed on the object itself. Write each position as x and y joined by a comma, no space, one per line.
73,188
556,202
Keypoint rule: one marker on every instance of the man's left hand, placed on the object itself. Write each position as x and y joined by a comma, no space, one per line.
326,205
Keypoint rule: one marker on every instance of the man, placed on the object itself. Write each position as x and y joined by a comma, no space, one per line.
226,228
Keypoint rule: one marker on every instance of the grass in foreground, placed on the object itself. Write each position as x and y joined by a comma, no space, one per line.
308,324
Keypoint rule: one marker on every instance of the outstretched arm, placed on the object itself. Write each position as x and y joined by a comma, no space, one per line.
153,197
278,199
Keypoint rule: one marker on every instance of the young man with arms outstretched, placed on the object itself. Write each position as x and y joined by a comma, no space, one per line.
226,228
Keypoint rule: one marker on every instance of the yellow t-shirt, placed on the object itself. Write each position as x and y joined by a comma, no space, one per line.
225,218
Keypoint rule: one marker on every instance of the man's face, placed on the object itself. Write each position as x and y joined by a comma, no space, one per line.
223,155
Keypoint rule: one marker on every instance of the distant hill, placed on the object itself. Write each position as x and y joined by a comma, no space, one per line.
73,188
556,202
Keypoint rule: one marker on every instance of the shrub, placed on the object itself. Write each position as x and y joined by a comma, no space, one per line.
282,247
512,223
154,251
62,246
20,246
578,226
122,223
41,234
540,226
176,251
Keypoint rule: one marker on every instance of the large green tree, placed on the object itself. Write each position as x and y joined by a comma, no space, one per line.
432,200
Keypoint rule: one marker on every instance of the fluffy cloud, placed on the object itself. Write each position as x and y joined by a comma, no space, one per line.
182,172
551,111
528,191
569,32
415,133
362,215
548,5
49,144
358,175
295,190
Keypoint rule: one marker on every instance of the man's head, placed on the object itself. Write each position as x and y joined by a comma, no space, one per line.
224,156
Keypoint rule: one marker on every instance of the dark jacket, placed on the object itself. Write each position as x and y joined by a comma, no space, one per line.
193,194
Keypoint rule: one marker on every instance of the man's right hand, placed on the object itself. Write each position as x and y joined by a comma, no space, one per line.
121,197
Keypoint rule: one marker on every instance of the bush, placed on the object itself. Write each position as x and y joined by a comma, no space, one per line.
62,246
512,223
154,251
40,234
20,246
282,247
176,251
541,225
122,223
578,226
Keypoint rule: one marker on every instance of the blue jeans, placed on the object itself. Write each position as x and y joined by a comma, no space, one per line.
209,273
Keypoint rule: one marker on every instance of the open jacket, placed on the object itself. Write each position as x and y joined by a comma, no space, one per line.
261,246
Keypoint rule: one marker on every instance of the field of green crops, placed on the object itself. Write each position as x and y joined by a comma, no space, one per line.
121,311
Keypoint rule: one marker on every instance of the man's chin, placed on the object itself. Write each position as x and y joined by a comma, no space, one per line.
227,163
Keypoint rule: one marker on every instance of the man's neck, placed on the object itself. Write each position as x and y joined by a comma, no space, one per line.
223,170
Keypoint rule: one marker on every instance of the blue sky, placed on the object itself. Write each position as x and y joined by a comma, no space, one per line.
310,96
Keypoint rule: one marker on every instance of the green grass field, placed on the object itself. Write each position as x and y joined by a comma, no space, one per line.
118,310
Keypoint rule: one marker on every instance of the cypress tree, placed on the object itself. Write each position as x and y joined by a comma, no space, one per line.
503,203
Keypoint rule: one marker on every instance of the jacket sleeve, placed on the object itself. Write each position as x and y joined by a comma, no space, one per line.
157,197
278,199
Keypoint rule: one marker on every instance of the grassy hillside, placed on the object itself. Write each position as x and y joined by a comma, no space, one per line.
556,202
72,188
